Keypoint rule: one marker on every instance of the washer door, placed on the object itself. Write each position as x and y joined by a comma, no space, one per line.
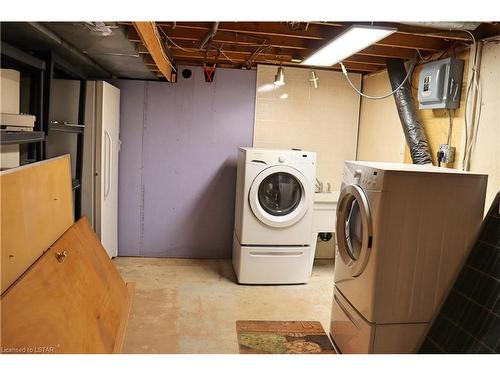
354,228
278,196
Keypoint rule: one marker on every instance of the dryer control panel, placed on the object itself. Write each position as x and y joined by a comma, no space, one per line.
366,177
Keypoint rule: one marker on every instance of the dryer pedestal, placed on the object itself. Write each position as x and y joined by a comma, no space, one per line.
272,264
353,334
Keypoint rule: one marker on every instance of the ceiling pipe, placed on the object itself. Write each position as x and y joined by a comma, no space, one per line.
57,39
210,34
446,25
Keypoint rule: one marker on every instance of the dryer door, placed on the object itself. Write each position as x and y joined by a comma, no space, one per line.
279,196
354,228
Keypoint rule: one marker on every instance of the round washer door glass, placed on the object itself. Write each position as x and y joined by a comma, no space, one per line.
279,193
354,230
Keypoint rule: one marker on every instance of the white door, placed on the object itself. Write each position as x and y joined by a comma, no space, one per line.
354,228
108,113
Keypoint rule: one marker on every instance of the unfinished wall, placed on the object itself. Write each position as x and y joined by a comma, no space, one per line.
178,163
436,121
297,115
485,156
381,137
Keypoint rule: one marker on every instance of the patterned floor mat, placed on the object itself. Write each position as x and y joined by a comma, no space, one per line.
280,337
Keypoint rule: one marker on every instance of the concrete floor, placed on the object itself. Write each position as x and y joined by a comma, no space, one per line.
191,306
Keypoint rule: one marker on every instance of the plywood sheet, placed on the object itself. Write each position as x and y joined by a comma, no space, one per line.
36,209
75,304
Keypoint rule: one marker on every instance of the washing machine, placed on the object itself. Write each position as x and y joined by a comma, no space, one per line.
404,232
273,216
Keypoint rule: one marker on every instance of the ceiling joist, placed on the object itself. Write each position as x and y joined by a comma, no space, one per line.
149,37
245,44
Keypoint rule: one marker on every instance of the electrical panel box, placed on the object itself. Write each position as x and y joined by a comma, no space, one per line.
440,84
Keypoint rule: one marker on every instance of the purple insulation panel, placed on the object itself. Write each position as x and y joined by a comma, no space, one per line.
178,163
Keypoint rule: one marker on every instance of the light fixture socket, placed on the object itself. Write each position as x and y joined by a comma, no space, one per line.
279,78
314,79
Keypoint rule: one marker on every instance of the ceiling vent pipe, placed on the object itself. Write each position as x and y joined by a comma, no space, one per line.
414,132
446,25
210,34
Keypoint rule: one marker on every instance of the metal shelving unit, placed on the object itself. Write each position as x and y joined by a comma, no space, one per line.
21,137
13,58
67,128
40,68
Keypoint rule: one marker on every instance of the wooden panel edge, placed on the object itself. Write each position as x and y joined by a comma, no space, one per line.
125,315
148,33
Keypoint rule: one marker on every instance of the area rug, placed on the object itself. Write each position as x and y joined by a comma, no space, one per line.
280,337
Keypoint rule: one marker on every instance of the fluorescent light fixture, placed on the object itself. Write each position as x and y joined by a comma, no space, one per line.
353,40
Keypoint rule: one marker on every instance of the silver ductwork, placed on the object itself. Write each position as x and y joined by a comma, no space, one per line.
414,132
209,35
445,25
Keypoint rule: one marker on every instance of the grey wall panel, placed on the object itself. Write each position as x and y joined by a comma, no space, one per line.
130,166
191,133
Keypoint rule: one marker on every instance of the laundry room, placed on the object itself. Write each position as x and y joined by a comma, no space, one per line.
173,184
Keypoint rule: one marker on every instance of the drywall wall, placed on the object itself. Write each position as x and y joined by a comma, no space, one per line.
297,115
485,157
381,137
178,163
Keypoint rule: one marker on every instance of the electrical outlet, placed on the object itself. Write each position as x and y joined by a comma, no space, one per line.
448,153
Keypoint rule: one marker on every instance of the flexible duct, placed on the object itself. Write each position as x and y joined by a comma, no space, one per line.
210,34
414,132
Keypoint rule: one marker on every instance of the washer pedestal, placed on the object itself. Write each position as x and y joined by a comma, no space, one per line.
272,264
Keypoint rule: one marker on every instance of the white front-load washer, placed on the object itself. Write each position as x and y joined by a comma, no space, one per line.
403,233
273,216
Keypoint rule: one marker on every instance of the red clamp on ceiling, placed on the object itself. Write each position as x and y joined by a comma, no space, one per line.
209,72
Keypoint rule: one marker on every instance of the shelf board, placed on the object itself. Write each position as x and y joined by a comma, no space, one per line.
13,137
67,128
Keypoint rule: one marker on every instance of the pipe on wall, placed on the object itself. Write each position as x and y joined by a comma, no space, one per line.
414,132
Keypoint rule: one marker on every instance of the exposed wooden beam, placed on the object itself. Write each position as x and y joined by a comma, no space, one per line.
313,32
243,42
381,51
401,41
270,57
149,36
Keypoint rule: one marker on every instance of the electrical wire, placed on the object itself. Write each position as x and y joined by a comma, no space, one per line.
196,49
227,57
178,46
471,134
410,72
450,127
158,38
